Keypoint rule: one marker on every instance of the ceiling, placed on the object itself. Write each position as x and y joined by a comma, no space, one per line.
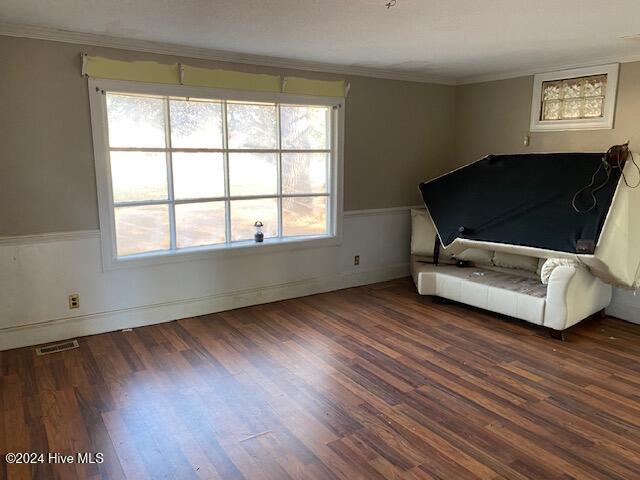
450,40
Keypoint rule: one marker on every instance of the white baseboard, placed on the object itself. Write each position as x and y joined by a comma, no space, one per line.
625,305
630,313
71,327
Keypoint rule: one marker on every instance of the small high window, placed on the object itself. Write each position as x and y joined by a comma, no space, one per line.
573,100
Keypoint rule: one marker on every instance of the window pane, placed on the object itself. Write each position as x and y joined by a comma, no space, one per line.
551,90
138,176
199,224
304,216
551,110
244,213
595,86
142,229
253,174
196,124
304,127
251,126
135,121
593,107
571,108
572,88
304,172
198,175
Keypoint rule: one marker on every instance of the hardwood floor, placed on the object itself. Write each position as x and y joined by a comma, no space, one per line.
372,382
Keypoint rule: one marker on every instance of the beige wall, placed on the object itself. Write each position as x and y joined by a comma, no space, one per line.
493,117
397,134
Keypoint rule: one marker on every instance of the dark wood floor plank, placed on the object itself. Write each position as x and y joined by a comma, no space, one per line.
373,382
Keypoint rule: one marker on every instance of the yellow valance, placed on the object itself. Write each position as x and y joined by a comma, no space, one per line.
319,88
230,79
180,74
138,71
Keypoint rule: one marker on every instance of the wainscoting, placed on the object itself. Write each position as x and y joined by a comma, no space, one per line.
39,272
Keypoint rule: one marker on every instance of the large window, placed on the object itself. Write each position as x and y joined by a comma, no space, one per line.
578,99
196,173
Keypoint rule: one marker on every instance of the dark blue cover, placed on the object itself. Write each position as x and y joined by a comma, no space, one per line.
521,200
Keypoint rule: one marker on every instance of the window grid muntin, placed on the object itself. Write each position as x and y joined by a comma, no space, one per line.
279,226
171,199
227,181
582,97
169,150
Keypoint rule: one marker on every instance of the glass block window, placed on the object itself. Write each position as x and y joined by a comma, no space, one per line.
582,98
574,98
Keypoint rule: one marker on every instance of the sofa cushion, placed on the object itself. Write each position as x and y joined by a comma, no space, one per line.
514,283
516,295
519,262
572,294
551,263
423,233
476,256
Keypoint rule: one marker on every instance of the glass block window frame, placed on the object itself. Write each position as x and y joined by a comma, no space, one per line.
577,99
291,195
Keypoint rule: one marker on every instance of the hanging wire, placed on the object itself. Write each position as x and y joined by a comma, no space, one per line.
594,201
625,177
615,157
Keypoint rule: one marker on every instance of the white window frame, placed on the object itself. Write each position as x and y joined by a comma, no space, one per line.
110,260
604,122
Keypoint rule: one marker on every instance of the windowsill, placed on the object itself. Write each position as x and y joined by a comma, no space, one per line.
211,252
564,125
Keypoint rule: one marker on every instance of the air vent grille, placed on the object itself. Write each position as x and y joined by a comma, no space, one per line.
57,347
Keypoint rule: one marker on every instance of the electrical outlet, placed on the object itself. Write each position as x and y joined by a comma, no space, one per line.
74,300
356,260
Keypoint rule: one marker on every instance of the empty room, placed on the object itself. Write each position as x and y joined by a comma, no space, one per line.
381,239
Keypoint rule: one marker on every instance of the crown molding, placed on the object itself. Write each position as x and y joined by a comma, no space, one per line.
79,38
490,77
66,36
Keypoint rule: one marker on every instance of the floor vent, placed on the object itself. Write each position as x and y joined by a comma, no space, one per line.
57,347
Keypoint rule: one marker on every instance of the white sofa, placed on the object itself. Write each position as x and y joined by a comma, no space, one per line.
505,283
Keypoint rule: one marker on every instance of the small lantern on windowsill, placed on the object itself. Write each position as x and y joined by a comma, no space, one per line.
258,236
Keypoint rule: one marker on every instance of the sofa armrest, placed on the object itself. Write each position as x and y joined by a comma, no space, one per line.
573,294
